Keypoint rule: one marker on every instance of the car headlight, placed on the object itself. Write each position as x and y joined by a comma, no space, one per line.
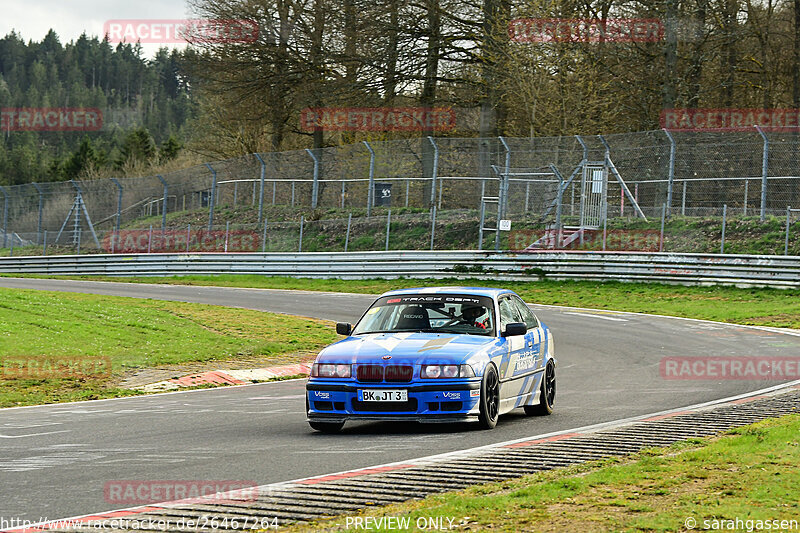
327,370
446,371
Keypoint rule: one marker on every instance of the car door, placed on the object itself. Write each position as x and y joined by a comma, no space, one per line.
531,359
509,313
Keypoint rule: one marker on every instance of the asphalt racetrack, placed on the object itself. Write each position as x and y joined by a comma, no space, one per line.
56,460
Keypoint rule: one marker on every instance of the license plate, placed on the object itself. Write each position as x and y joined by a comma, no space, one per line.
382,395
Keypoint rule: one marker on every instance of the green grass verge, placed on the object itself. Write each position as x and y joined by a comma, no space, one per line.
764,307
135,333
750,474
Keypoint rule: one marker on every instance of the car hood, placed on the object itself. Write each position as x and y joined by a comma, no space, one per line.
414,348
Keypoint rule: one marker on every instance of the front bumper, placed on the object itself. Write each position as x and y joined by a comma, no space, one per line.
427,402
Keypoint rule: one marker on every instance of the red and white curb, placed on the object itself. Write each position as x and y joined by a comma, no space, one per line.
228,377
129,513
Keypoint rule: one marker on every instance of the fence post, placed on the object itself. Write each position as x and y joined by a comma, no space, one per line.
344,191
261,193
671,174
5,216
746,187
347,235
315,184
163,204
724,223
149,239
388,224
227,230
212,197
371,186
235,192
188,236
559,205
41,207
683,200
661,235
274,190
11,251
433,224
764,170
302,221
788,221
434,176
264,237
44,247
503,200
119,203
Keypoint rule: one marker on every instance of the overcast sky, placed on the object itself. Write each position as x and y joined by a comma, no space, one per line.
69,18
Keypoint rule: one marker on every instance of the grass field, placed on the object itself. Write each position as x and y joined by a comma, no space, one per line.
749,474
135,333
765,307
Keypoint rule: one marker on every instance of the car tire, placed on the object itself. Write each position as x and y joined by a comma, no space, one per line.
548,393
327,427
490,398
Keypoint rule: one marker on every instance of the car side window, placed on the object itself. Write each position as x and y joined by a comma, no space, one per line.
527,315
508,313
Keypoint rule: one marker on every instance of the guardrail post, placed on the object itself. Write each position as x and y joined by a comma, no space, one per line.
724,223
347,235
788,221
41,207
671,172
315,184
212,198
5,216
163,204
764,171
302,221
434,175
371,186
388,224
261,193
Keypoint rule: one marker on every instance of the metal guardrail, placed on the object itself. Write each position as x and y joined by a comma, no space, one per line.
688,269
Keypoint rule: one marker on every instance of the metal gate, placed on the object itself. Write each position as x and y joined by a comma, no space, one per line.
594,188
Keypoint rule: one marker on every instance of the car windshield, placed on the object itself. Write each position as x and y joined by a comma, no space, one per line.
439,313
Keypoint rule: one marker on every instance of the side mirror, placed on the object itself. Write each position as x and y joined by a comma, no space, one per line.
344,328
515,328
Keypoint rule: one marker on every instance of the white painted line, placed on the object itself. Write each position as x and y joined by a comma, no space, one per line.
595,316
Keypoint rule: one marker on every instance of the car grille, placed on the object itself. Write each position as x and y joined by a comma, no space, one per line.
370,373
399,374
378,373
385,407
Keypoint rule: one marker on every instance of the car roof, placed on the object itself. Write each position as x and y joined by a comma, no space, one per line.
476,291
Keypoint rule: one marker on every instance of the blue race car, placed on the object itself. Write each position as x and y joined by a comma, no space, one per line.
445,354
